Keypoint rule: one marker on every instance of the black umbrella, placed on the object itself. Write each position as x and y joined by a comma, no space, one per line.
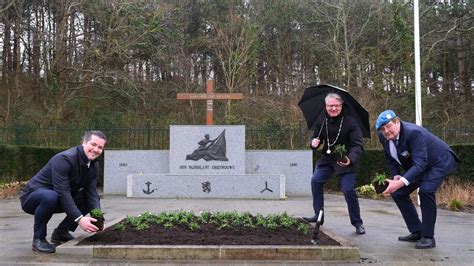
313,106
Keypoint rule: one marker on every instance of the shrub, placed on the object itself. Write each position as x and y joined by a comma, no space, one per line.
20,163
455,194
456,205
367,191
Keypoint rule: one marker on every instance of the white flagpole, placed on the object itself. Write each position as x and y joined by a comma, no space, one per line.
416,22
417,64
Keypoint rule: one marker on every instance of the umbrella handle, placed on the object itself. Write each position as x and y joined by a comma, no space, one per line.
320,130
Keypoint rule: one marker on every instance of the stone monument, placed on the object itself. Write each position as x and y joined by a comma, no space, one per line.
208,162
295,165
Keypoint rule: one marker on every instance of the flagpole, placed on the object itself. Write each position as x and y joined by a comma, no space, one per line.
416,22
417,64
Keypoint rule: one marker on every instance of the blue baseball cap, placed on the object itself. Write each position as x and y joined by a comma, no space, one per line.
384,117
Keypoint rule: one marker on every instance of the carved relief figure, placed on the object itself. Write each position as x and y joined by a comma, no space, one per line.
210,150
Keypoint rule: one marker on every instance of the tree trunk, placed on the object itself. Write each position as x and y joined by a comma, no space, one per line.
17,55
7,55
464,83
35,58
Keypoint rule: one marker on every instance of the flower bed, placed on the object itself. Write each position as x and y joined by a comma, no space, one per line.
227,228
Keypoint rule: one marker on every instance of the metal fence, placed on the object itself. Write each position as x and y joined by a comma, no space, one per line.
158,138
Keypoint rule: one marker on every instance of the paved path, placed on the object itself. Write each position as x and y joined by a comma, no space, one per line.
383,223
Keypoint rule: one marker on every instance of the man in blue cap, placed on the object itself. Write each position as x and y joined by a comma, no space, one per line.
426,161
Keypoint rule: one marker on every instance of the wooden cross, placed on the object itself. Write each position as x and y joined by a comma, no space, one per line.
210,96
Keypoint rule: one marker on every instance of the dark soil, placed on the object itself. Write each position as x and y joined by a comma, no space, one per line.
207,234
379,188
99,223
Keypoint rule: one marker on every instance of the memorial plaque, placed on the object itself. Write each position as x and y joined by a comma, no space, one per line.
202,150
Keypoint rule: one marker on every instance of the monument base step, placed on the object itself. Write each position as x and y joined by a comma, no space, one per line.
251,186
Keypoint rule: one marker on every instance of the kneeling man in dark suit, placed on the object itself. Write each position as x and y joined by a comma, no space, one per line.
67,183
426,161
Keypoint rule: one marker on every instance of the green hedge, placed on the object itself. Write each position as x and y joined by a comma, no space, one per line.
373,161
19,163
465,170
22,162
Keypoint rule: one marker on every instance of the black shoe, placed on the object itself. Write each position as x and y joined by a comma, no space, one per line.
360,230
413,237
425,243
43,246
313,219
59,236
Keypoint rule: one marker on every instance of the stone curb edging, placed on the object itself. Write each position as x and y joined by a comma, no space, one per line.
346,252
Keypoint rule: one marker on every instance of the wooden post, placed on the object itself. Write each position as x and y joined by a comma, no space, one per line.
210,96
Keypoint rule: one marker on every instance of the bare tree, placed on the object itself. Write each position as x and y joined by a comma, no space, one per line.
234,47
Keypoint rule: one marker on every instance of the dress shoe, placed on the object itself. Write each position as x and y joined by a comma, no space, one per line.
43,246
425,243
313,219
360,230
413,237
59,236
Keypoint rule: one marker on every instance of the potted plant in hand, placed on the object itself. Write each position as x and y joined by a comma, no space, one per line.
99,216
379,182
340,151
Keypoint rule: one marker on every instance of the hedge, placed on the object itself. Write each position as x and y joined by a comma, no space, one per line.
20,163
373,161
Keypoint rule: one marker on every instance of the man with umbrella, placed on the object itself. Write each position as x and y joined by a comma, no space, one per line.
335,121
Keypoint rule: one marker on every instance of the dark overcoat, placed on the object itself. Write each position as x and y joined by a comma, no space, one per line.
69,174
350,135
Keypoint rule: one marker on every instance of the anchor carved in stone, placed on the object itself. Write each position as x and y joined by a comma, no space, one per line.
148,191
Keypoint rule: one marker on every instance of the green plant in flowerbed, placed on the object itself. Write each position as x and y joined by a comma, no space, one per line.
222,220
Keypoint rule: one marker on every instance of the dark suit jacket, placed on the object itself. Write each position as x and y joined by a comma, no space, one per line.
418,150
67,173
350,136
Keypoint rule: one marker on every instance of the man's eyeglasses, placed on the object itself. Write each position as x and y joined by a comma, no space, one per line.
333,105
